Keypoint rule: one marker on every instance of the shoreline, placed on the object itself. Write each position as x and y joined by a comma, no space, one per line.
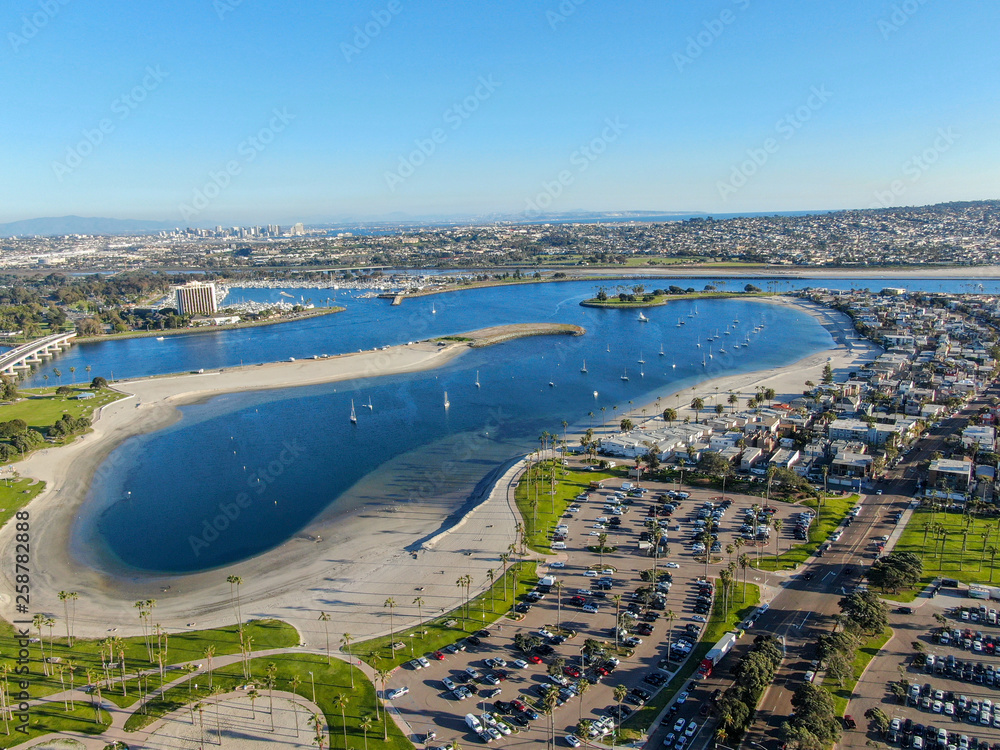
276,579
398,548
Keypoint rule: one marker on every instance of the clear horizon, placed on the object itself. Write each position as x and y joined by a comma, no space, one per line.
244,113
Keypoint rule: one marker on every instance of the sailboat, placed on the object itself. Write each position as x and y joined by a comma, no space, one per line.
584,368
703,363
710,353
354,417
699,342
679,322
609,348
642,318
447,403
369,404
662,353
477,379
625,375
641,360
433,311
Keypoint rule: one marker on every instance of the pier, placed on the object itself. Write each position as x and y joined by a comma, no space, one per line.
24,356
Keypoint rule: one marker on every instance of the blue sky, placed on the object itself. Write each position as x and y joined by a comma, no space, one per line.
257,111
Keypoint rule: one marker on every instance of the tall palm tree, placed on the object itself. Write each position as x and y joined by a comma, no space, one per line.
504,559
340,701
670,616
733,400
346,641
294,684
391,604
234,596
602,539
271,677
325,619
777,532
366,724
993,549
697,403
209,653
491,574
316,721
383,676
744,563
619,694
38,620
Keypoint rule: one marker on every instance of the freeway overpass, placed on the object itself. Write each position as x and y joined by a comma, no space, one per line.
24,356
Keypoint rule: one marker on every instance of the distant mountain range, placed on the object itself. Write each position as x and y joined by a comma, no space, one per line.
59,225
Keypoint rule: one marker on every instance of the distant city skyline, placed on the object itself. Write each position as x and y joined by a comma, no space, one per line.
244,113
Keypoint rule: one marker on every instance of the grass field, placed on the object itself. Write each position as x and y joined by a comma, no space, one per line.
867,652
829,517
438,632
720,621
541,518
331,681
944,555
85,656
15,494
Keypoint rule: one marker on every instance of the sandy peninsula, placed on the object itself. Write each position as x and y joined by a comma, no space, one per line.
348,578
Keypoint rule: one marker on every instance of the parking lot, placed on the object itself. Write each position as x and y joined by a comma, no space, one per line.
567,626
954,676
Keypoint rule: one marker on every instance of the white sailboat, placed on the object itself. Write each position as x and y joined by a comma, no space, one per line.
642,318
625,375
354,417
710,353
477,379
433,311
447,403
609,348
679,322
703,363
369,404
584,368
662,353
641,360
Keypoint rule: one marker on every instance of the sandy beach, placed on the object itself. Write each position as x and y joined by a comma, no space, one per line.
394,550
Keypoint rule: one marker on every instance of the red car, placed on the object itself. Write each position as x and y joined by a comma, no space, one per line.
535,659
577,601
439,655
571,671
517,705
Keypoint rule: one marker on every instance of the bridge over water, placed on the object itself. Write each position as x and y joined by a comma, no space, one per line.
24,356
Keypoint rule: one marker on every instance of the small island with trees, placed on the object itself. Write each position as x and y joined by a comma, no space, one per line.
638,296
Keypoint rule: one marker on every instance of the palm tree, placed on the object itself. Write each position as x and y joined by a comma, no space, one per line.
491,574
234,597
619,694
777,532
697,403
65,597
670,616
294,684
340,701
383,675
504,559
391,604
325,619
744,563
993,555
366,724
209,653
346,640
602,538
316,721
733,400
252,694
582,686
669,416
271,672
39,622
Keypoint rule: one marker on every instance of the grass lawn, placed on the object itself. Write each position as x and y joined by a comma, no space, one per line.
829,517
331,681
542,517
15,494
85,655
867,652
974,565
720,621
41,407
437,633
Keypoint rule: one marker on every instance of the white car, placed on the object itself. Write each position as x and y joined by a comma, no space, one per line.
679,725
397,693
672,565
423,662
572,740
810,676
682,697
448,683
699,618
590,573
591,608
692,728
519,664
544,633
557,564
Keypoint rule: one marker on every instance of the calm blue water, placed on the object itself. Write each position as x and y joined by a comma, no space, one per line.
271,462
